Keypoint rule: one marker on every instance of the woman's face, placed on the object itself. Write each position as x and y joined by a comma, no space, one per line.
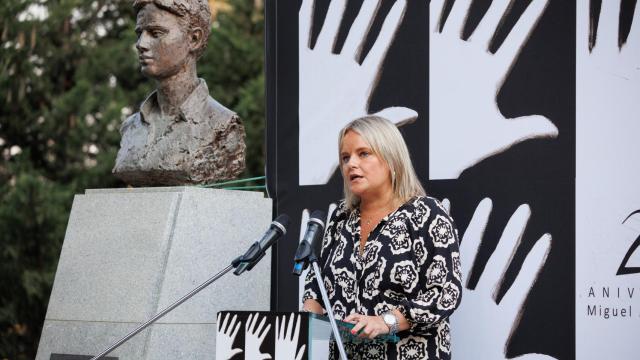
365,173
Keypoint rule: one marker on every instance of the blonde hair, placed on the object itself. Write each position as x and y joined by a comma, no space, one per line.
386,142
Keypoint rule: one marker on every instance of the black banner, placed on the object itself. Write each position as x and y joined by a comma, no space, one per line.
529,178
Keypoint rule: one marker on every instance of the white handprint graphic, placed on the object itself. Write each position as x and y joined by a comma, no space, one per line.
480,327
225,337
287,338
608,105
254,336
607,165
334,88
465,123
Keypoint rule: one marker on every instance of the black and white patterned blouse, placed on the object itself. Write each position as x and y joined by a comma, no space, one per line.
410,262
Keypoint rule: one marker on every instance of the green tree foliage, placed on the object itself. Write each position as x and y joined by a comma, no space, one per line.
33,217
233,66
68,77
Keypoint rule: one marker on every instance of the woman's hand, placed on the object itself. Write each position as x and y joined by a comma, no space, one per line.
312,306
371,326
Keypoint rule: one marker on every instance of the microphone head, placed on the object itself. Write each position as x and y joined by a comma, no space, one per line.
282,222
317,216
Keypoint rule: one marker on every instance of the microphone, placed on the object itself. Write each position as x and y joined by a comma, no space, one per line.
304,257
305,253
250,258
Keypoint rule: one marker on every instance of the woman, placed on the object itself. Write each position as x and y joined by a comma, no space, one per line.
389,259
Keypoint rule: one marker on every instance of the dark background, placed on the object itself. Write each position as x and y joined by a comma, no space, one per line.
540,173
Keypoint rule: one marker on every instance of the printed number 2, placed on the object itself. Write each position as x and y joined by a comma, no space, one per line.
624,269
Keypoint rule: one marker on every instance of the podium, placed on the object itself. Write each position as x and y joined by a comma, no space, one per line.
282,335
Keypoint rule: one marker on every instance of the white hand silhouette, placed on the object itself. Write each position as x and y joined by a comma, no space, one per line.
334,88
480,327
225,337
465,123
608,104
287,338
254,336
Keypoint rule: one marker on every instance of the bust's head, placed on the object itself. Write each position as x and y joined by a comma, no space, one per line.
172,35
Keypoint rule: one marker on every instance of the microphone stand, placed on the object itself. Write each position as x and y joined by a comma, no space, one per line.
247,260
304,256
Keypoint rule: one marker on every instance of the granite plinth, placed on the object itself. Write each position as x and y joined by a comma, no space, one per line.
130,253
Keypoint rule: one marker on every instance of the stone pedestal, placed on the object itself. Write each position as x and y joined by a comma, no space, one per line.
129,253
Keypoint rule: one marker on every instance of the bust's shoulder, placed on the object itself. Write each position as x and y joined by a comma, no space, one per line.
218,113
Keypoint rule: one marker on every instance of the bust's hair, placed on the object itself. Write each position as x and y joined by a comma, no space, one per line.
387,143
194,13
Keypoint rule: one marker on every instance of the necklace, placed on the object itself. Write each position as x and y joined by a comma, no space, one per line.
375,216
368,220
366,224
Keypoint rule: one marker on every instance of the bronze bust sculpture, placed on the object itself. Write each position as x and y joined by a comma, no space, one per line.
180,135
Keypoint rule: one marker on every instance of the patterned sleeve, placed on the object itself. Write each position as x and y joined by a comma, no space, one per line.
311,290
436,291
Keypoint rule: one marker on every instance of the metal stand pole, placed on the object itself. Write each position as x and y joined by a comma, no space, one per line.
327,306
164,312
